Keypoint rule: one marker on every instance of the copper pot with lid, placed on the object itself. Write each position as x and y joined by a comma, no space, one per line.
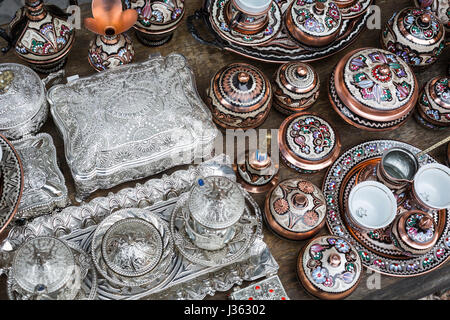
296,87
313,23
373,89
239,96
433,105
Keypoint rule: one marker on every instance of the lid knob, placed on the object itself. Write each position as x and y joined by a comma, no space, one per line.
385,70
302,71
426,223
425,18
334,260
243,77
6,77
319,8
259,160
300,200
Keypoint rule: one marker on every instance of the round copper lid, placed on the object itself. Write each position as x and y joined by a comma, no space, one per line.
434,101
314,23
375,84
240,96
296,86
419,26
295,209
417,230
308,142
329,267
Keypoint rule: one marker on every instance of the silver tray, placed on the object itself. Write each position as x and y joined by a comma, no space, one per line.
131,122
44,185
185,280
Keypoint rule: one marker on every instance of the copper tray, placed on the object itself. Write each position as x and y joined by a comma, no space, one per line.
282,48
375,248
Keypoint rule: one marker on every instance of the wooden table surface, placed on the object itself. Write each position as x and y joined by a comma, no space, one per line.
205,61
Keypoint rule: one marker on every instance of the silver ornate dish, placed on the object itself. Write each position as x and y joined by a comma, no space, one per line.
122,268
247,229
131,122
47,268
44,184
375,248
11,182
184,279
270,288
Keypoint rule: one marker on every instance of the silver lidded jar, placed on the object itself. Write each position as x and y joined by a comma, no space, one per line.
215,205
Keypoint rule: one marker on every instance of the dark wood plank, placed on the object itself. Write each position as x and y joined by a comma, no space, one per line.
205,61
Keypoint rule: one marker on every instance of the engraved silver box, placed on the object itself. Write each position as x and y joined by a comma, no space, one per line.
131,122
44,184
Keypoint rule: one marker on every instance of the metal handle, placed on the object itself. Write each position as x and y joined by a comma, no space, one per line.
434,146
55,77
201,14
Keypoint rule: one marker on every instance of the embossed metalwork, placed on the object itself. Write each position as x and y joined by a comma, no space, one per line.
267,289
23,107
186,280
375,248
434,102
131,122
44,184
47,268
329,267
11,182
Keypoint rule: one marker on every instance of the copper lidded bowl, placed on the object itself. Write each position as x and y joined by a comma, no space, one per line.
295,87
157,20
373,89
313,23
308,143
440,8
416,35
433,105
295,209
329,267
414,233
239,96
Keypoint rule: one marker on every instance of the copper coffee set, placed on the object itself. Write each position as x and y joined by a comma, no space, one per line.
372,89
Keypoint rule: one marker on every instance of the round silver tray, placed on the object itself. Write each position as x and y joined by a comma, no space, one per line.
375,249
248,228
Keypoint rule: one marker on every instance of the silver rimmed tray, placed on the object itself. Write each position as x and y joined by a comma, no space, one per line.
44,184
131,122
184,279
375,248
281,48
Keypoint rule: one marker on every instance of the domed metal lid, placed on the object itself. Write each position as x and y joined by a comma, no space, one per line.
241,87
420,26
435,100
22,94
312,21
376,84
329,267
216,202
295,209
308,141
417,229
297,77
43,263
132,247
157,16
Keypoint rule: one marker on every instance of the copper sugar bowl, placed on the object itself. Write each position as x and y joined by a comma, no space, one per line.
373,89
414,233
296,86
41,36
239,96
313,23
329,267
440,8
248,17
308,143
295,209
433,106
415,35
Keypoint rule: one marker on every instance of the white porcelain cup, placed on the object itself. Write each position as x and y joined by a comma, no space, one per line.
371,205
253,7
431,186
